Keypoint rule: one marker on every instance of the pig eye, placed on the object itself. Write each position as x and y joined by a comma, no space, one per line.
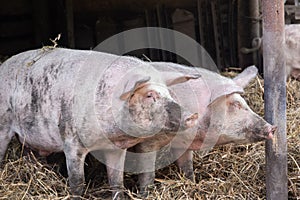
152,95
236,104
149,95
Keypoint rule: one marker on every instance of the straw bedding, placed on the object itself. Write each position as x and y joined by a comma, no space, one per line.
226,172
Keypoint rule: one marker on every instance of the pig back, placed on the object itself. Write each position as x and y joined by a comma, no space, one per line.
49,90
206,89
38,90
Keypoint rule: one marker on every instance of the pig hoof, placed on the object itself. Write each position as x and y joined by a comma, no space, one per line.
118,195
75,198
143,194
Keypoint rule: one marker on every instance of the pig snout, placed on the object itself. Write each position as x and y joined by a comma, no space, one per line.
191,120
266,132
174,115
179,119
269,131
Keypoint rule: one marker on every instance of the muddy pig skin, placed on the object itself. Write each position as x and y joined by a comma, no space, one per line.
224,117
76,102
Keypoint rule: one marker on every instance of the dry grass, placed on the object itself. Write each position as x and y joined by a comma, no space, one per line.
227,172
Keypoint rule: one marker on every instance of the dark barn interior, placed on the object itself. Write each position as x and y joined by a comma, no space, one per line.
222,27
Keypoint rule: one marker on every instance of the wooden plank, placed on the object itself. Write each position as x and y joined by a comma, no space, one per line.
248,29
15,7
163,23
70,23
275,98
201,24
201,19
232,32
151,22
16,28
184,22
217,33
41,22
13,46
130,5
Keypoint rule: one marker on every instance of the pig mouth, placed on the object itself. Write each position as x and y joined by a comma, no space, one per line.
172,126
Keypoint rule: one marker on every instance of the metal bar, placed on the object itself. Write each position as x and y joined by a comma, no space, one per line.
275,97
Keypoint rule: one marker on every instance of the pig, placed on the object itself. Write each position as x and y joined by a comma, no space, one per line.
77,101
292,50
224,117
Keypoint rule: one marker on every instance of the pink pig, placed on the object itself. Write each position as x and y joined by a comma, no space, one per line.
292,50
224,117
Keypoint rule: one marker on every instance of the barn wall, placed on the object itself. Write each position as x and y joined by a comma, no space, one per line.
28,24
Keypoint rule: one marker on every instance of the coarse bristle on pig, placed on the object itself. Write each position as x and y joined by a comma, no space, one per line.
226,172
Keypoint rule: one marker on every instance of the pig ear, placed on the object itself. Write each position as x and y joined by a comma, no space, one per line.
175,78
246,76
130,91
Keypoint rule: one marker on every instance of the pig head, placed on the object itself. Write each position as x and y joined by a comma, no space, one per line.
219,104
149,108
232,119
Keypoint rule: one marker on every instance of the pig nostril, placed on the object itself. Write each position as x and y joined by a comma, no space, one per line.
271,132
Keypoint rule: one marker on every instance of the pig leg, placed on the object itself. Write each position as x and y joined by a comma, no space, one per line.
5,138
147,177
185,162
75,157
115,160
5,133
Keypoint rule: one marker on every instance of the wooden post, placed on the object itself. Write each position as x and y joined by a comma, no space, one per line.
275,97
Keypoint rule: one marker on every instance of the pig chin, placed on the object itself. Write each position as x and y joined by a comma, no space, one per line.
225,139
244,137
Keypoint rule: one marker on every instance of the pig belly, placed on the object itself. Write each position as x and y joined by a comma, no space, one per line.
41,139
44,145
